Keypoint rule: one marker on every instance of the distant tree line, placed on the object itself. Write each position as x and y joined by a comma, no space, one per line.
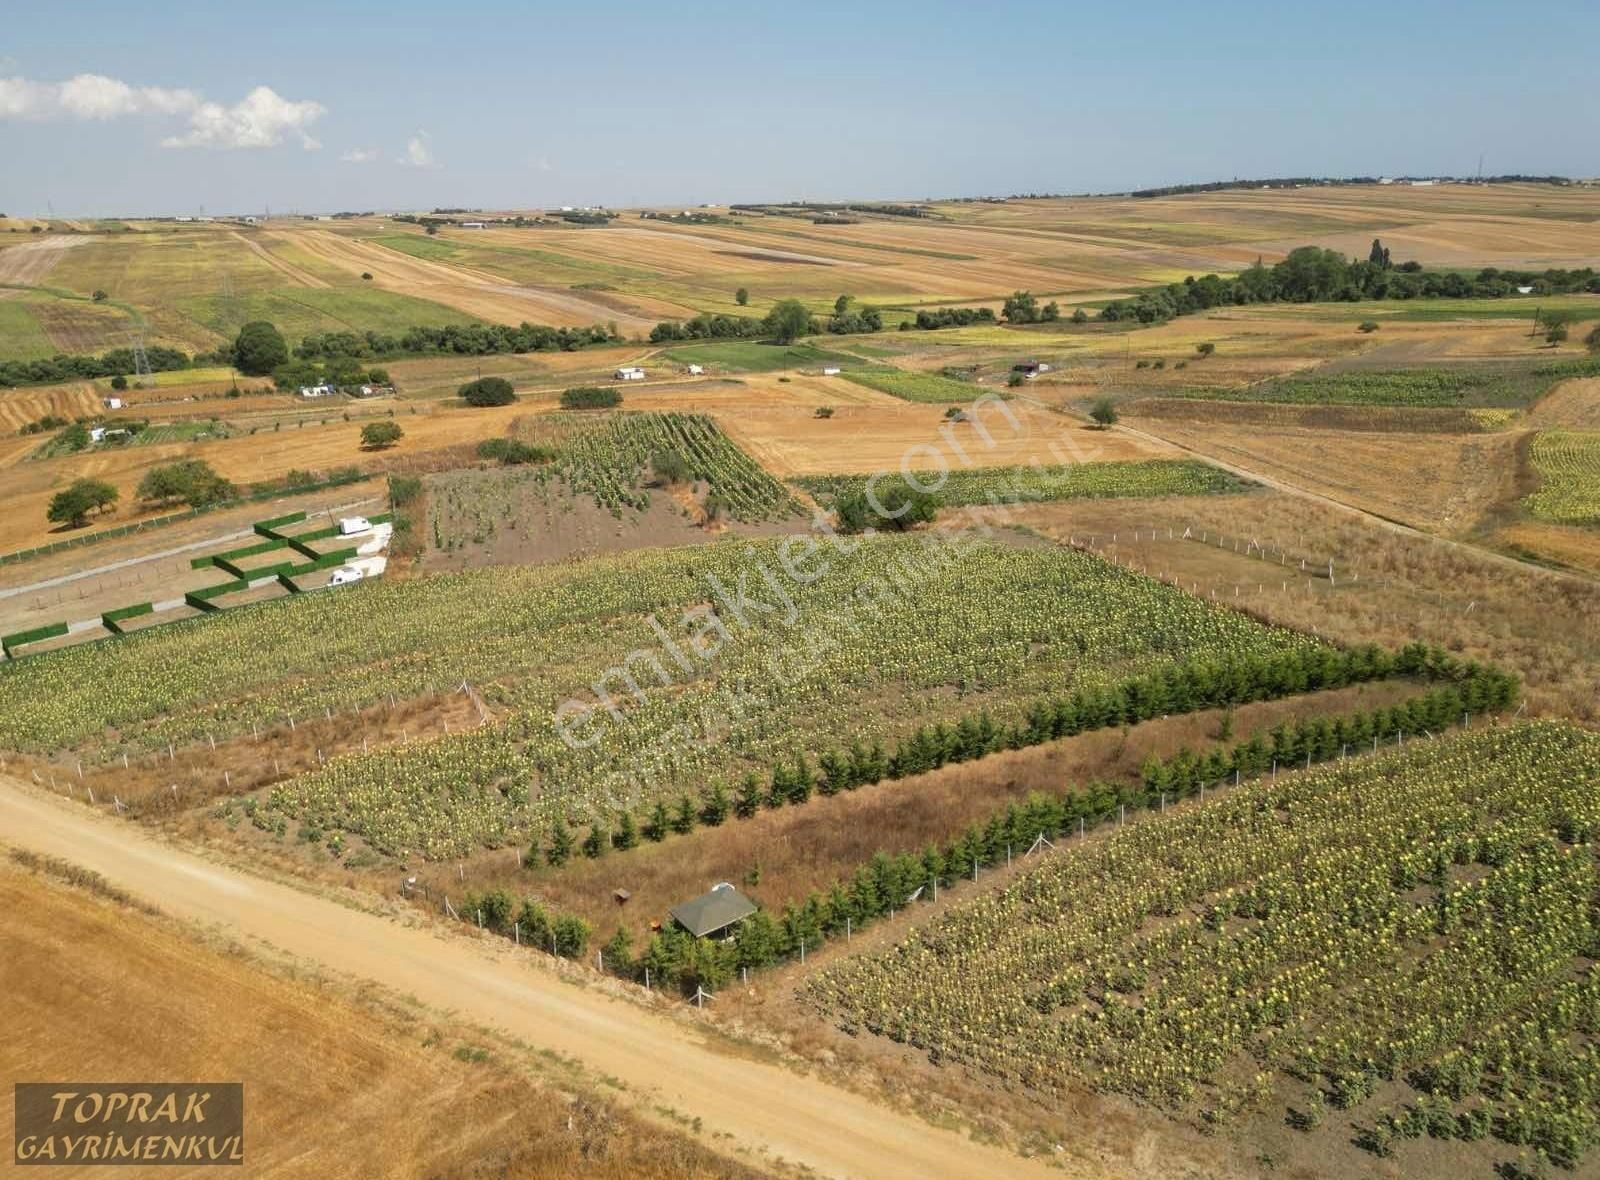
1311,274
953,317
78,366
808,208
1217,186
459,339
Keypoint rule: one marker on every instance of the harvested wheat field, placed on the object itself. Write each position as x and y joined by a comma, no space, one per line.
19,407
97,989
475,292
1442,483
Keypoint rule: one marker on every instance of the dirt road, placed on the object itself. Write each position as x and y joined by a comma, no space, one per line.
663,1064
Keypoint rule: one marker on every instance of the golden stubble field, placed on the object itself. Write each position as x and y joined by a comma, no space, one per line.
333,1087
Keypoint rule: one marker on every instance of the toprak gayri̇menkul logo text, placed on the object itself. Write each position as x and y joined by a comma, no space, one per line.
185,1123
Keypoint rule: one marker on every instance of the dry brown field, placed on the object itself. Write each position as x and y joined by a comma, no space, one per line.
336,1083
1443,483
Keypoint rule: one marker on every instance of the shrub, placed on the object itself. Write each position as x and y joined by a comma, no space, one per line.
1104,412
891,504
1367,326
824,412
669,467
119,382
377,435
590,397
1205,348
512,452
488,391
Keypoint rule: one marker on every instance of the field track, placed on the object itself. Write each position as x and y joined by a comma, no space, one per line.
288,270
792,1117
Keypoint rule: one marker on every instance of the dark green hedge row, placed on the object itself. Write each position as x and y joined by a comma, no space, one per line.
200,563
111,618
20,638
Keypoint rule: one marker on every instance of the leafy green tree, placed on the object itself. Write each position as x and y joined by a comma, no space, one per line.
488,391
841,305
191,481
119,383
72,505
1020,308
1556,333
1104,412
788,321
259,349
741,297
377,435
99,296
1079,316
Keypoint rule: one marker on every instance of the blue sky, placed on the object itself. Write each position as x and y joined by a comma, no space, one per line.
400,104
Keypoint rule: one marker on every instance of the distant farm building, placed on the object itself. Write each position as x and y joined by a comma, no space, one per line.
1524,290
1030,368
714,913
351,525
696,370
113,403
472,225
831,372
313,391
629,373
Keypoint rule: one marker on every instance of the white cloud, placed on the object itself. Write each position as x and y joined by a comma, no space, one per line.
418,153
94,96
543,164
360,156
262,119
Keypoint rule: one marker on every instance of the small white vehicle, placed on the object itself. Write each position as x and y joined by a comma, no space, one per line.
345,575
